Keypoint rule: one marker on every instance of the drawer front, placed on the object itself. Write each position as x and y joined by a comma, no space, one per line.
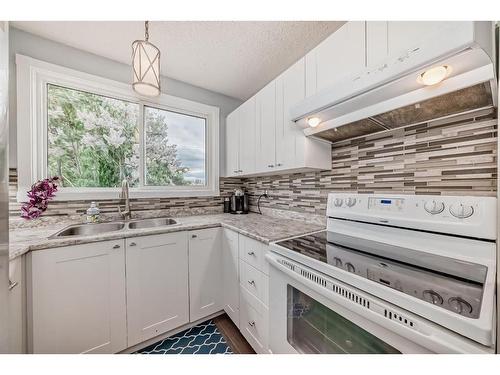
254,281
254,322
251,251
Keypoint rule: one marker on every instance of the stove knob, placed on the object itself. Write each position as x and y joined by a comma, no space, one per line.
461,211
338,202
350,202
459,305
432,297
434,207
350,267
338,262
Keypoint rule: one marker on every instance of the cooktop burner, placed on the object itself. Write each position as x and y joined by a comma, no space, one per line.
451,284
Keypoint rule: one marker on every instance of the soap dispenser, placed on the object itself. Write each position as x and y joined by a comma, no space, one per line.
93,213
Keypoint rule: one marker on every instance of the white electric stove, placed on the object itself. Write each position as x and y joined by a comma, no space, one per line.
391,274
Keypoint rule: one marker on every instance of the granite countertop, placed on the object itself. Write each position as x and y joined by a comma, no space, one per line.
31,236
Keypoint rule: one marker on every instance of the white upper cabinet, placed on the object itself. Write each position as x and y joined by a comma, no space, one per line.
266,128
233,143
337,58
376,43
77,299
205,273
248,134
157,285
290,90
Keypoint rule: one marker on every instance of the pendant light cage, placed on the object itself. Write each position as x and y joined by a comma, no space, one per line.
146,66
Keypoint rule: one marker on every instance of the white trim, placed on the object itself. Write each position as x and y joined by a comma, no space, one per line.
33,76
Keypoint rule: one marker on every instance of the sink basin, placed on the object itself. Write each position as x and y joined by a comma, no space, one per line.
151,223
88,229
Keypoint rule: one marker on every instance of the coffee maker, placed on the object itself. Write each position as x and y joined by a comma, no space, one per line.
239,202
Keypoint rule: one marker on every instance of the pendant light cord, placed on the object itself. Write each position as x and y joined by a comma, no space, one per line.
146,33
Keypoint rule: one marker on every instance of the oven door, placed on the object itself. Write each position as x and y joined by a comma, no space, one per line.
306,315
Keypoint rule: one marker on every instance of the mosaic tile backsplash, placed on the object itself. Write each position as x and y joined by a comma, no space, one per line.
457,156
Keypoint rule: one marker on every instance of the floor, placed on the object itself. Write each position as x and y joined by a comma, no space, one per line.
215,336
232,335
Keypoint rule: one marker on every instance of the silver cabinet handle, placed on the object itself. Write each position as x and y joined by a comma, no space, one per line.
270,166
251,253
12,285
133,244
251,324
251,282
194,236
116,246
279,165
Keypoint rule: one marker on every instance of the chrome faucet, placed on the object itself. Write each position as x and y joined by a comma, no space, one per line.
126,213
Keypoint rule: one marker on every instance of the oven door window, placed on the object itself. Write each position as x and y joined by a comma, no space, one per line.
314,328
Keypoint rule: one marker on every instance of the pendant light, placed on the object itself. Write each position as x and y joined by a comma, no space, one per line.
146,66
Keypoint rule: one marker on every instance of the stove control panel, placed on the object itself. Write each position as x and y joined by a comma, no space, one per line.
466,216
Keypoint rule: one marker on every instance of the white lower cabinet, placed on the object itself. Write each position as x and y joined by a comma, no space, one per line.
16,304
104,297
254,321
157,285
77,299
205,273
230,271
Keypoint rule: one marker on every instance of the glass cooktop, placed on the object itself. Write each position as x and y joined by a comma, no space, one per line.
449,283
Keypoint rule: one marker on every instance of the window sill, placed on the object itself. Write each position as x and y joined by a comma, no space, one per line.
114,193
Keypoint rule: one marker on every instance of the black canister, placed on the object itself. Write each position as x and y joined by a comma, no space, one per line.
227,205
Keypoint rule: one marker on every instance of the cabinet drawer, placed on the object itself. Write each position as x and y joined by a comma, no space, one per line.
254,322
251,251
255,282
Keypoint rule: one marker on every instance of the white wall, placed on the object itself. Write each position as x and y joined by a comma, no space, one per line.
57,53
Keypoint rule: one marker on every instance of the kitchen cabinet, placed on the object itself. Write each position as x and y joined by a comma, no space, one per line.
205,273
266,128
17,306
157,285
290,89
241,142
233,144
376,43
338,57
230,270
77,299
247,137
254,293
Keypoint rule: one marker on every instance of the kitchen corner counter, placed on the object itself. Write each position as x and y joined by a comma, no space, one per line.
26,238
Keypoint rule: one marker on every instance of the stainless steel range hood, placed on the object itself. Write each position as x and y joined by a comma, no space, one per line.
403,101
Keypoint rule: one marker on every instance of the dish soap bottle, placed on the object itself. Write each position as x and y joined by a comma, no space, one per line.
93,213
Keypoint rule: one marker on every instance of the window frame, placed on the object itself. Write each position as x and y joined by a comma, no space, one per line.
32,146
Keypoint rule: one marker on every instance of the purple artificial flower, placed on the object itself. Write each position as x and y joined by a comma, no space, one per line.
39,195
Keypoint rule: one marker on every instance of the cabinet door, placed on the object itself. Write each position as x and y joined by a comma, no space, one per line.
232,143
205,273
247,145
231,275
266,103
341,55
376,43
77,299
17,309
157,285
292,85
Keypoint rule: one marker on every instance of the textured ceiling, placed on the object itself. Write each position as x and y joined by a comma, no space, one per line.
232,58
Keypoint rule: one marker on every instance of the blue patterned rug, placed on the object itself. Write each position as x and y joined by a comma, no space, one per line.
204,338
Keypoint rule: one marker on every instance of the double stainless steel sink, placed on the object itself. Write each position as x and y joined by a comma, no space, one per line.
98,228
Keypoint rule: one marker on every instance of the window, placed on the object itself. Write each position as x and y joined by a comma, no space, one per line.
93,133
175,148
93,141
